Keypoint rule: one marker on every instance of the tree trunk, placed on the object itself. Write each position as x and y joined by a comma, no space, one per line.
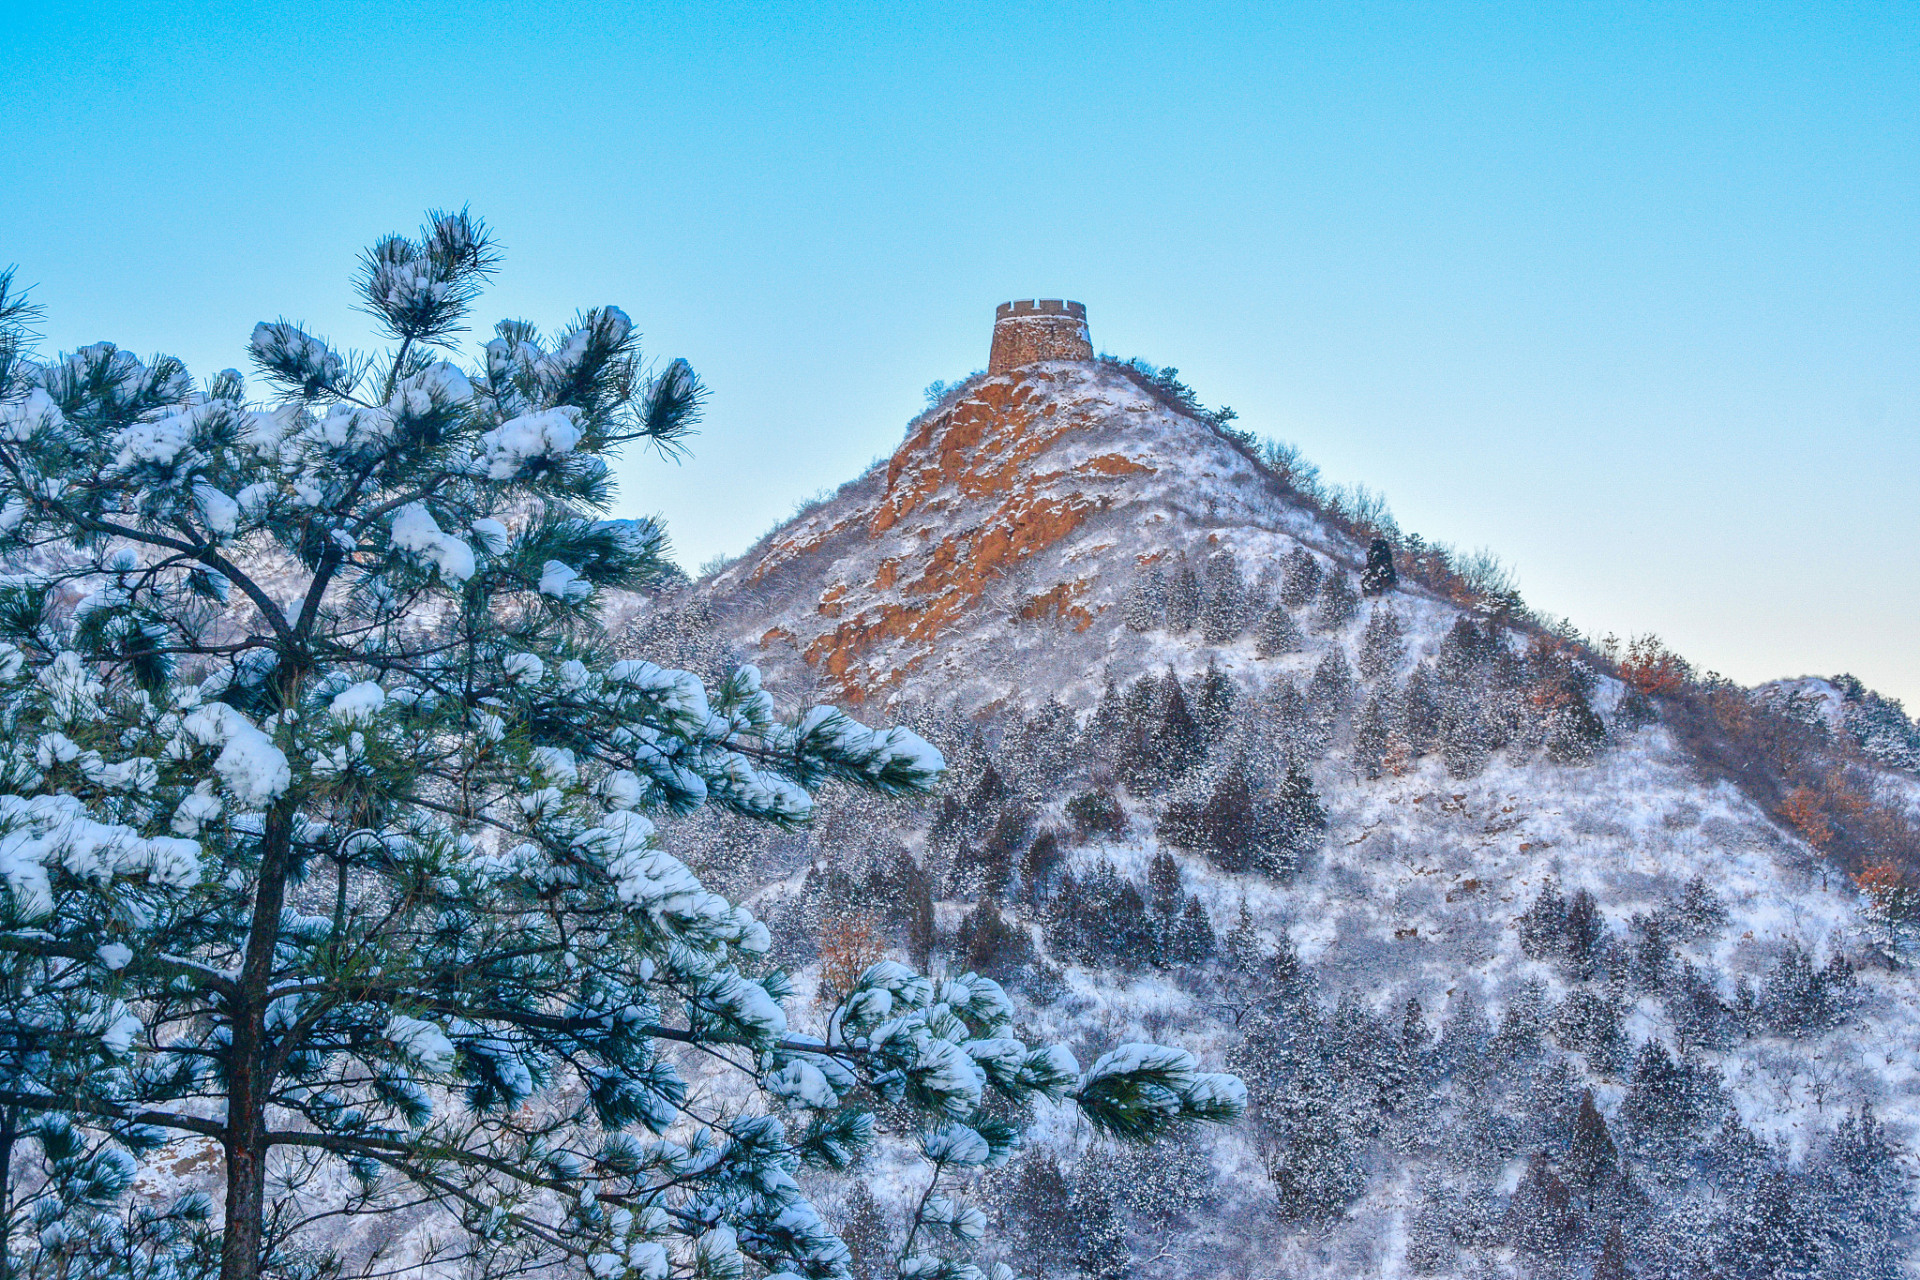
9,1125
249,1070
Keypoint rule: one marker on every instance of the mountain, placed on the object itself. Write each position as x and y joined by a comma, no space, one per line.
1536,957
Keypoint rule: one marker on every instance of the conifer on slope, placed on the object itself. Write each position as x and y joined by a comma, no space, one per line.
362,870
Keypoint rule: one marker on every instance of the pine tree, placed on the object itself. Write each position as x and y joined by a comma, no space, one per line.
1173,745
1243,942
1301,821
1102,1232
1431,1246
1183,598
1612,1263
1042,858
1865,1191
338,848
1193,940
1379,577
1107,728
1465,1033
1541,1219
1040,1216
1277,633
1223,615
1591,1156
1382,647
1420,711
1164,894
1413,1026
863,1227
1523,1023
1212,699
992,945
1146,599
1373,733
1667,1105
1588,1022
1543,926
1336,603
1330,691
1300,577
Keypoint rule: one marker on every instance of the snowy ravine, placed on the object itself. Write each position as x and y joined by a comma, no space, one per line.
989,568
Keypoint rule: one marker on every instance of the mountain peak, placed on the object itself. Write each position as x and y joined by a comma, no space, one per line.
1025,499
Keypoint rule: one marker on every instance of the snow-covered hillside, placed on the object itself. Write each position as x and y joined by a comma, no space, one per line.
1538,997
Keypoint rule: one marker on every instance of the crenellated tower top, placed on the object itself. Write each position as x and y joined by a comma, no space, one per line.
1029,331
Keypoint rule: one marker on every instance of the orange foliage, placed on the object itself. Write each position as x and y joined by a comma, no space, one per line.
1652,668
848,948
1803,810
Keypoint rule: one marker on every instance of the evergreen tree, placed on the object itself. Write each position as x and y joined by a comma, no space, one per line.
1465,1033
1107,728
1243,942
1318,1168
1300,819
1541,1218
1183,598
1867,1208
1146,599
1277,633
1373,733
1413,1026
1193,939
1300,577
1164,894
1042,858
1382,646
863,1227
1102,1232
1667,1105
1379,577
1591,1156
1589,1022
1097,813
1769,1232
328,810
1652,966
1612,1263
992,945
1523,1023
1420,711
1336,603
1330,691
1543,926
1040,1217
1172,745
1584,935
1223,615
1468,738
1431,1246
1212,702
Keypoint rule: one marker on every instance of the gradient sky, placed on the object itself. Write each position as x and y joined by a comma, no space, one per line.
1629,294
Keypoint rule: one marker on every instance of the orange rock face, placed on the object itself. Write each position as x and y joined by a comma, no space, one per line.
979,490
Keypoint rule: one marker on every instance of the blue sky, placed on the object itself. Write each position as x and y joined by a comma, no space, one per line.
1629,294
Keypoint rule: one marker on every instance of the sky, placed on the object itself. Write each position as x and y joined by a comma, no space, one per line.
1627,293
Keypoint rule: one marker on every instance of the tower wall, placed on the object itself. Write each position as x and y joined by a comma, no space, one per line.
1027,332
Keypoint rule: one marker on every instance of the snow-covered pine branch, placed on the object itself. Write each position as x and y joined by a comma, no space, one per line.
323,823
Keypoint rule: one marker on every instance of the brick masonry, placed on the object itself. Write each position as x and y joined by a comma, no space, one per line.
1026,332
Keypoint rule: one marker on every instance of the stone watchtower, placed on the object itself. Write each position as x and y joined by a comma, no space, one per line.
1028,332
